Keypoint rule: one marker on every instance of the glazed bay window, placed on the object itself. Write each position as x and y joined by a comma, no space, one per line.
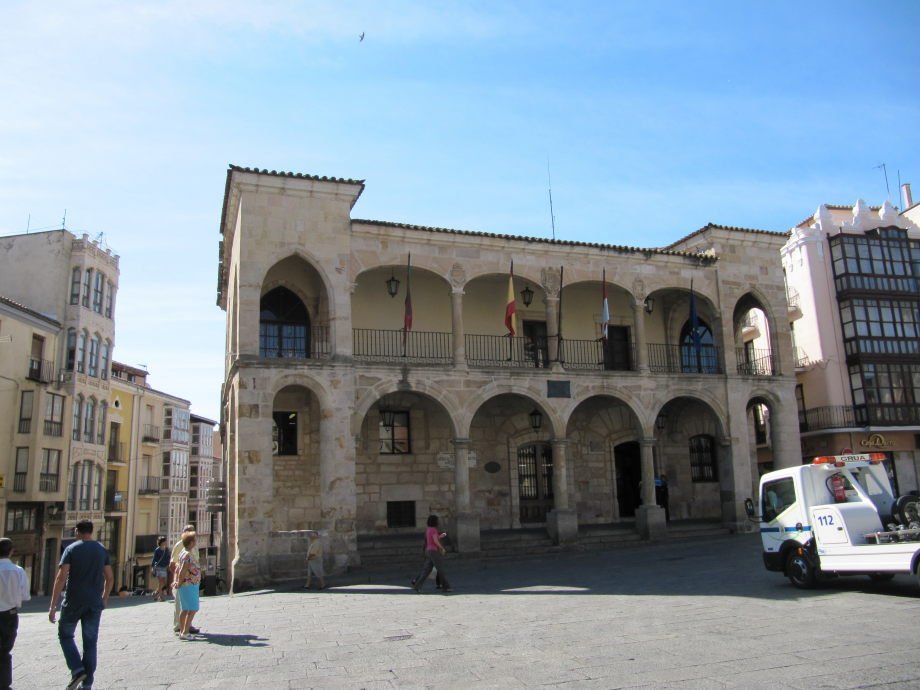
75,286
51,469
89,421
886,393
54,414
98,290
87,286
394,432
92,367
81,352
884,260
109,299
880,326
21,519
175,424
26,401
703,466
77,416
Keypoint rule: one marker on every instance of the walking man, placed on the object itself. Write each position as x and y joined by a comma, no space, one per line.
85,577
14,589
177,550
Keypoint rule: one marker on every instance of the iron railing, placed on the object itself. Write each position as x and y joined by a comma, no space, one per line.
755,362
376,345
792,299
19,481
53,428
594,355
41,370
151,433
25,426
283,345
48,482
149,485
827,417
801,359
506,351
117,452
684,359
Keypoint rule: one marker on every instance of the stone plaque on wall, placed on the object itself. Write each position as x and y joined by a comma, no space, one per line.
445,461
558,389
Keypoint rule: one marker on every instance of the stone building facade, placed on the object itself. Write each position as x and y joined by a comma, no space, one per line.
337,418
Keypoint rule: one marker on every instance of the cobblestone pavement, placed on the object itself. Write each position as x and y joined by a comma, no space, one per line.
695,614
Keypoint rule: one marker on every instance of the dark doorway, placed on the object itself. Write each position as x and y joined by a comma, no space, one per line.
618,351
535,343
629,473
535,482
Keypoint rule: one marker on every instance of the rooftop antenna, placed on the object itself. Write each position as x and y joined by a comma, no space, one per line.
552,217
29,219
885,170
64,220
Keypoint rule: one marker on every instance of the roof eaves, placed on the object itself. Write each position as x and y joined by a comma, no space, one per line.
732,228
26,310
541,240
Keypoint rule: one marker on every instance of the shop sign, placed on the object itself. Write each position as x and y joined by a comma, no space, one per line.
876,442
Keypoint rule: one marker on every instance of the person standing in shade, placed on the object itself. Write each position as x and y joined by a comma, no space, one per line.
160,565
85,578
188,584
315,561
434,556
14,589
177,550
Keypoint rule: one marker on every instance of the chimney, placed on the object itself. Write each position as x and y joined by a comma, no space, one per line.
906,197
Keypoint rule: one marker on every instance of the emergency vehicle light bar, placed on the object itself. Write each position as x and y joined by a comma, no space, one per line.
843,460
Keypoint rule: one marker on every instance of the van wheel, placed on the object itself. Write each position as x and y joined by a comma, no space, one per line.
881,577
800,572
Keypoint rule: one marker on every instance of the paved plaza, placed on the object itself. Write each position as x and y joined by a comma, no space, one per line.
701,613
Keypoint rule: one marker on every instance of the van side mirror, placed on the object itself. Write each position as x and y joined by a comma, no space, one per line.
749,507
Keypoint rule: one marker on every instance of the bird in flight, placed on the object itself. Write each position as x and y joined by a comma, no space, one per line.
361,37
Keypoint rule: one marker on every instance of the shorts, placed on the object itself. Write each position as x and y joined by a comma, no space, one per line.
188,598
315,566
160,572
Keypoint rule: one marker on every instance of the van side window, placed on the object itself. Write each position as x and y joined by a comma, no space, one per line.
778,495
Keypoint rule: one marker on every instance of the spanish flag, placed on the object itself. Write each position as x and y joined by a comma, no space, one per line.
510,311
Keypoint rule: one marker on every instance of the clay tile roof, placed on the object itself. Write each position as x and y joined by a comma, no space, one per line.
25,310
711,226
282,173
625,249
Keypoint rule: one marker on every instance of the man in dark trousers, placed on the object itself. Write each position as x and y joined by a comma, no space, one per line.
85,577
14,589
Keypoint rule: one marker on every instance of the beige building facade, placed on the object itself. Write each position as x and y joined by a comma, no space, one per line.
854,280
338,418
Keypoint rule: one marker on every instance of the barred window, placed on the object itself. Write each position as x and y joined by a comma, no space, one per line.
703,466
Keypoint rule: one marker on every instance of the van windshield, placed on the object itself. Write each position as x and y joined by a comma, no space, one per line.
777,497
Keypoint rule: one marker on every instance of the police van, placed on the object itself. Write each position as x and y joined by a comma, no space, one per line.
837,515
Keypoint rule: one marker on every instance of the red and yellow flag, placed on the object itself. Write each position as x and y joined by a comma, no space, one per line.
510,309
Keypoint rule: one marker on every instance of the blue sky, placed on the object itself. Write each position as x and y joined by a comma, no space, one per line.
656,118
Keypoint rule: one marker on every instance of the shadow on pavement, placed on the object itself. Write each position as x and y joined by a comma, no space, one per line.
233,640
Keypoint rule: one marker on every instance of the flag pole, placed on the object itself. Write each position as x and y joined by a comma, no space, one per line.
560,343
407,313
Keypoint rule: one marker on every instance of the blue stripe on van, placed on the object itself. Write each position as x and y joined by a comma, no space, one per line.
805,528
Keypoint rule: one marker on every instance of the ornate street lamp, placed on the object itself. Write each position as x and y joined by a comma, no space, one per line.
536,419
649,304
393,285
527,295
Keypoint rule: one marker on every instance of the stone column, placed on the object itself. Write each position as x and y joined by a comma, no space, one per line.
736,475
641,346
650,518
338,495
552,332
465,522
459,338
561,522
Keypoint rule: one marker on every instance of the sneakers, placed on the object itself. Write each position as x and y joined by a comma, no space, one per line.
76,680
193,630
183,636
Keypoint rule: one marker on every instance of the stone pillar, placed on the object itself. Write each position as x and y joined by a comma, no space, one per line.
561,522
641,346
459,338
785,440
552,332
254,483
650,518
734,453
338,495
465,522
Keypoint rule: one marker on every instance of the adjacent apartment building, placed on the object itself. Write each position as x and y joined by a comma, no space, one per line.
377,372
854,281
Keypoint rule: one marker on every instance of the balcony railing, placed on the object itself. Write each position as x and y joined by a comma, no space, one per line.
117,452
48,482
684,359
793,300
801,359
149,485
755,362
506,351
113,506
375,345
41,370
19,481
151,433
276,345
827,417
25,426
593,355
53,428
